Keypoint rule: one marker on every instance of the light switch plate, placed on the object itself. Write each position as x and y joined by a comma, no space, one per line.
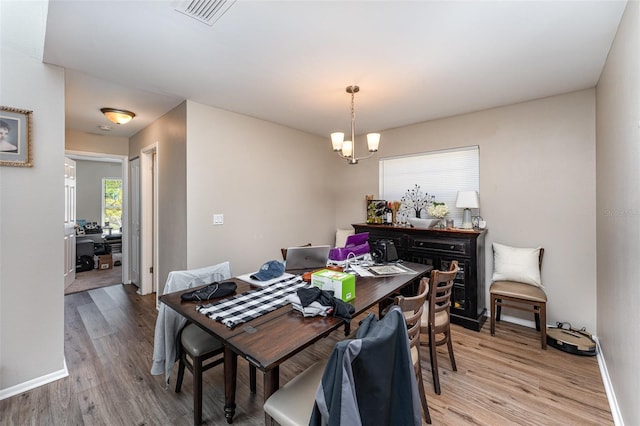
218,219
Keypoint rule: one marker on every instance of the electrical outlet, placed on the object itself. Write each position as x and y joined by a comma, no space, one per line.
218,219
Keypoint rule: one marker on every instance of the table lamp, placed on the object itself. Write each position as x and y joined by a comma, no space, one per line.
467,200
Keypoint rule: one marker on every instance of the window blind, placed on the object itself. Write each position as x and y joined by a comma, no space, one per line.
438,173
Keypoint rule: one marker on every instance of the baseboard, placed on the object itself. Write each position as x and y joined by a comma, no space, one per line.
608,387
34,383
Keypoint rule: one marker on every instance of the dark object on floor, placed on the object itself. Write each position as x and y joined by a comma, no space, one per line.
211,291
117,263
84,263
571,340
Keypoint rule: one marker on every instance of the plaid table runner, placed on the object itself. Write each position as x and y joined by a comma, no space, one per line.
251,304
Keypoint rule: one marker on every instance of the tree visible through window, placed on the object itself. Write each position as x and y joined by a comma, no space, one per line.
112,202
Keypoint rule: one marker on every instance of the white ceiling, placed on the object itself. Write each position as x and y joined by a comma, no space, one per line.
289,61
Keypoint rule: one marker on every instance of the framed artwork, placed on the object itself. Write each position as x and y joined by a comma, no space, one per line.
15,137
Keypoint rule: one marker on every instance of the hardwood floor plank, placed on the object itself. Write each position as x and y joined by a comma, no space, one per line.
504,379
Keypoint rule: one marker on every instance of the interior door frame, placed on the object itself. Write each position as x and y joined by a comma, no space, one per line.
124,162
149,184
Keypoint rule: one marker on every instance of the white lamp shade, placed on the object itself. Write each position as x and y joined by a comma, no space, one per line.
347,148
467,200
336,140
373,141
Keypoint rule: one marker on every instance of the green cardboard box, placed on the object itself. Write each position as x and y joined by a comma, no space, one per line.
343,285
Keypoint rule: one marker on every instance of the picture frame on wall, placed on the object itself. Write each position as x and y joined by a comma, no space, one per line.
15,137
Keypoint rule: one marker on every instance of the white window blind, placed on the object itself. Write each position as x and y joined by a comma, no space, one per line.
438,173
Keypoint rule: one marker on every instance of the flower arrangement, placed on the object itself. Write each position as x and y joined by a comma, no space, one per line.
438,210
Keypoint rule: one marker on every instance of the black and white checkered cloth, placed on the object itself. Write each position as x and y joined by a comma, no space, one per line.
251,304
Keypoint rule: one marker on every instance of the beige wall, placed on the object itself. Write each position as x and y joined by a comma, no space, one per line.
89,175
88,142
272,183
618,213
31,231
537,175
169,133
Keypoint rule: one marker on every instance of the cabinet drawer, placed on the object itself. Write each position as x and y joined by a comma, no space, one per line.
440,245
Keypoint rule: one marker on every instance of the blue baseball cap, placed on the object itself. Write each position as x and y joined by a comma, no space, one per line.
270,270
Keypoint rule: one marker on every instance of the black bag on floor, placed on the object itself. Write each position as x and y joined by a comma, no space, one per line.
84,263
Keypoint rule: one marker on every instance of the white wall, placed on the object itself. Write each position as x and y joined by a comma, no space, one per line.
272,183
537,180
618,213
89,175
31,231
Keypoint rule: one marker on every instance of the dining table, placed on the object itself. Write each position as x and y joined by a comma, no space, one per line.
270,339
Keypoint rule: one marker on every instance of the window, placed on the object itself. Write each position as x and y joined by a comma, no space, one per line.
112,202
438,173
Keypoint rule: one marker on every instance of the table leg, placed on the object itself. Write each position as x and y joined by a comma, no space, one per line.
271,384
230,372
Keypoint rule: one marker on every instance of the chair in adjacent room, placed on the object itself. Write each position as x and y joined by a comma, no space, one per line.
413,307
516,284
436,324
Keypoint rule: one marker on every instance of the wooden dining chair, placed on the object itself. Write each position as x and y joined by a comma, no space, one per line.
412,308
436,324
520,291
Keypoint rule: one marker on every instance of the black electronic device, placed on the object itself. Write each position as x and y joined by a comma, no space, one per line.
384,251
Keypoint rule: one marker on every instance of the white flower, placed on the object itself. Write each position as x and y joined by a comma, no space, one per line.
438,210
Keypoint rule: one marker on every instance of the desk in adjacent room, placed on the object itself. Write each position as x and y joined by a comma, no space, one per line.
271,339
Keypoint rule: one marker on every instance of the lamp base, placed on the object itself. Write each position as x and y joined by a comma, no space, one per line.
466,219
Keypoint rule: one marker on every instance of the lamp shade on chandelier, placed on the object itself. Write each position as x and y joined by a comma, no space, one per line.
346,148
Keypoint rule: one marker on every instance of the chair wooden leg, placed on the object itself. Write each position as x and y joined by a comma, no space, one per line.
197,391
423,395
434,362
543,325
252,378
493,315
180,373
536,315
450,347
498,309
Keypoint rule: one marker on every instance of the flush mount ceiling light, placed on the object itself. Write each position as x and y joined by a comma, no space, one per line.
347,149
118,116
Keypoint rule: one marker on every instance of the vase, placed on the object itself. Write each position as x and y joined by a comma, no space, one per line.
442,224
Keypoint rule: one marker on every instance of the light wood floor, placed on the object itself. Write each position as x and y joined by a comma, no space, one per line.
501,380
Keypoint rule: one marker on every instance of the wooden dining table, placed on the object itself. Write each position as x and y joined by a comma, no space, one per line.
269,340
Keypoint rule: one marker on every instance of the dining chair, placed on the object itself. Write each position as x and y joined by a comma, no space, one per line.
380,385
436,318
176,339
520,287
412,308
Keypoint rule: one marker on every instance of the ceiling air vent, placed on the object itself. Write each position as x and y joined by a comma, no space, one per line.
205,11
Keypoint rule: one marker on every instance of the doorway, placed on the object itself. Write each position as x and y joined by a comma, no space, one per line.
99,278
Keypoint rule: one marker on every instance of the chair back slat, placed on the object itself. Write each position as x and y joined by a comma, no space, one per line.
441,289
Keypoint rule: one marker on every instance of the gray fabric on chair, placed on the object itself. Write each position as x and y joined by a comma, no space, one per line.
198,342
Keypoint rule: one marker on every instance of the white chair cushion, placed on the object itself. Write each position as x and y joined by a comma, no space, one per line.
516,264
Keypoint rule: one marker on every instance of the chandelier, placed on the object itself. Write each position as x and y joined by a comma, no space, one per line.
347,149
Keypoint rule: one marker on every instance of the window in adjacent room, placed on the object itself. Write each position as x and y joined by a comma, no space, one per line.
112,202
439,173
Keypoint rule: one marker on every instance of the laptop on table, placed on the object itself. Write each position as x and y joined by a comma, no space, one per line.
311,257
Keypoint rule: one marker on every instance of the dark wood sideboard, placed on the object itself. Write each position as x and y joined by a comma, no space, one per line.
437,248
